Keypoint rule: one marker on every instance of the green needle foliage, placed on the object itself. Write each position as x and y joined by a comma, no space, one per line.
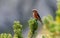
47,19
33,25
53,26
4,35
17,29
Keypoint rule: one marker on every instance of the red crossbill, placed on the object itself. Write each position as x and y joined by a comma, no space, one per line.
36,15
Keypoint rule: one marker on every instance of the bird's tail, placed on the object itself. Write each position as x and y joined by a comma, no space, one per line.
40,21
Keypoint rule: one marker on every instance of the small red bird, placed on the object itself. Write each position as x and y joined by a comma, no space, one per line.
36,15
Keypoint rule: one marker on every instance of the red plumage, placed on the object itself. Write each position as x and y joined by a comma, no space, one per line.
36,15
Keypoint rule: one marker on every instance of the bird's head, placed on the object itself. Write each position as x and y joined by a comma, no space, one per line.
34,11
